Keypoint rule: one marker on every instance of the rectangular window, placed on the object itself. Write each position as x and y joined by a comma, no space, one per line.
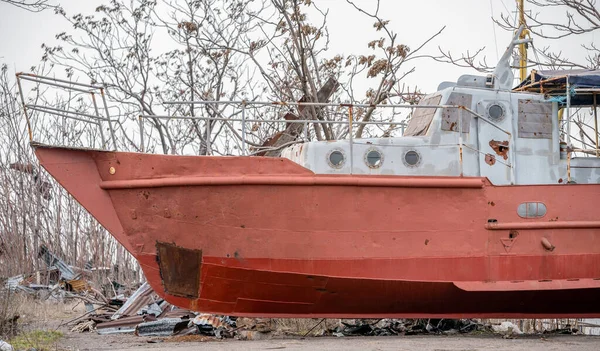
450,115
422,117
535,119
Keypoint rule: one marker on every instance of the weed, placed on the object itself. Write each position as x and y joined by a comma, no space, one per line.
41,340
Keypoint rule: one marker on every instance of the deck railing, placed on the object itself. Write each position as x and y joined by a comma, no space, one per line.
99,118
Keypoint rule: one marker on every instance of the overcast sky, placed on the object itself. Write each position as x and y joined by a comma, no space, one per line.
468,27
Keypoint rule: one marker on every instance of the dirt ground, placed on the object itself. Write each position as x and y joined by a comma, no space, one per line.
92,341
49,317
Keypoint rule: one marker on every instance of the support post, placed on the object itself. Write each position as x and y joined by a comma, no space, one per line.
141,133
460,140
244,127
24,108
110,127
350,118
99,119
568,110
596,124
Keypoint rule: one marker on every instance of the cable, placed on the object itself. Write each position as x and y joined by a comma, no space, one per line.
494,28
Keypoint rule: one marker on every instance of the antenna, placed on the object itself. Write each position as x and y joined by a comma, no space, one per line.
523,45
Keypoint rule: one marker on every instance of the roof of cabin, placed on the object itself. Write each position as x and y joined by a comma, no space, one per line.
583,84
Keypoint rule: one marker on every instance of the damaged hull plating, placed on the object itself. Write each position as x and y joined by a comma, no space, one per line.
255,236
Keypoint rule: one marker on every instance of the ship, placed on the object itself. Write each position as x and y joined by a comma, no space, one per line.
480,209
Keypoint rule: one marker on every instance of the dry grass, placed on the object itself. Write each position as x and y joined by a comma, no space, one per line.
40,340
20,313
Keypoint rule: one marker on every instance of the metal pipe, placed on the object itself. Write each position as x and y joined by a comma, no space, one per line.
29,76
56,85
350,118
207,141
99,124
543,225
596,124
321,104
141,133
244,128
63,111
486,120
555,134
481,152
297,180
568,114
62,115
263,120
513,161
110,127
568,165
587,90
460,141
24,108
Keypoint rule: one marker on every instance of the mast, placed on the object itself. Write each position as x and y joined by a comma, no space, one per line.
523,44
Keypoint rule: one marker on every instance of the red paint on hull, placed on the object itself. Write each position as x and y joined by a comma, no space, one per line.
274,239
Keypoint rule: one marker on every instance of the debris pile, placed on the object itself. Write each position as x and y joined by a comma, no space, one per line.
4,346
386,327
145,314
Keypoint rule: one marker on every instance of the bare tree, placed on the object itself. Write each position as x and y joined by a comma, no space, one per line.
581,17
30,5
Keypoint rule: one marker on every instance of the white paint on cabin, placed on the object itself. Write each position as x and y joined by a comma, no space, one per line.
533,151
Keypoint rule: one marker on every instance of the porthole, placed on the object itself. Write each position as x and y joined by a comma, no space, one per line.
531,210
336,159
373,158
495,111
412,158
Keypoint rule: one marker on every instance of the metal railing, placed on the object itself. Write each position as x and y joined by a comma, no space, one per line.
93,90
99,118
350,122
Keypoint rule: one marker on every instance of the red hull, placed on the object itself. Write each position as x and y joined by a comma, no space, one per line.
265,237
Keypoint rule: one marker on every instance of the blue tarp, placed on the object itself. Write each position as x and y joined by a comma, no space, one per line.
555,82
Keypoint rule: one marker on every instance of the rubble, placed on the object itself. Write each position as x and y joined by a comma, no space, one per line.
4,346
506,328
162,327
386,327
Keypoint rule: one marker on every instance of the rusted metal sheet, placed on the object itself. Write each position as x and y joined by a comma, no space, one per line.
422,117
535,119
161,327
123,325
206,319
140,298
450,116
179,269
52,260
500,148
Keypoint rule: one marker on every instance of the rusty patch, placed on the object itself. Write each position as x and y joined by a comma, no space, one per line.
490,159
500,147
179,269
